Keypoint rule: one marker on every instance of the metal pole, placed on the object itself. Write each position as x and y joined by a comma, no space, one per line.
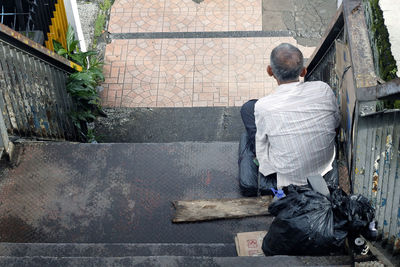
4,141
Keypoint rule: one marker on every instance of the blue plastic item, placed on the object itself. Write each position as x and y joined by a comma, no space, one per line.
278,193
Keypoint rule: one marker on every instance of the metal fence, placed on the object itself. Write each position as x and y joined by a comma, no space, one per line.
33,95
376,173
371,129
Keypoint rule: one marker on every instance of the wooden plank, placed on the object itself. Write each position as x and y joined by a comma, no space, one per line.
212,209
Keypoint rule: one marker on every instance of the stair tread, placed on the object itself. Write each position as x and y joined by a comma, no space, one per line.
116,249
177,261
118,193
155,125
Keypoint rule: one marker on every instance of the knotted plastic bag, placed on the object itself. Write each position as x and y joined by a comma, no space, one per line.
304,225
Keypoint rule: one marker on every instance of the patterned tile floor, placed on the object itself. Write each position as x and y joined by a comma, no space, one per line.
185,16
187,72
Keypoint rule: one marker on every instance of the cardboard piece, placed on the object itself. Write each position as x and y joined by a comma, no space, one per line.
249,243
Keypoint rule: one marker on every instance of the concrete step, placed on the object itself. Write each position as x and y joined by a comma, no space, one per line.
164,125
172,261
115,250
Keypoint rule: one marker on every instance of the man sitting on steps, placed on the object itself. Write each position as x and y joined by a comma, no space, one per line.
292,130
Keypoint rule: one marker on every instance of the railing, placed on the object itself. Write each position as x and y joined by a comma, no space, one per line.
33,96
41,20
370,129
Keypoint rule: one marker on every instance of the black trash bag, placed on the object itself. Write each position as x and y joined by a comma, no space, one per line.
332,177
248,172
304,225
355,214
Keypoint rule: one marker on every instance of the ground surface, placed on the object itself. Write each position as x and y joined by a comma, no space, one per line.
306,20
88,13
180,53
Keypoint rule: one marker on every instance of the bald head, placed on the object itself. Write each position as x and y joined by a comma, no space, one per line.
286,62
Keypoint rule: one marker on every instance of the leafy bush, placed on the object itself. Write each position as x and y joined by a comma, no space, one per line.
82,86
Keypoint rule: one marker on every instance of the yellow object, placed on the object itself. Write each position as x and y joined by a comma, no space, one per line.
59,26
76,66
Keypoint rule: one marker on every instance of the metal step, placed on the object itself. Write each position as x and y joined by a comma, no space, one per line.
172,261
164,125
118,193
115,250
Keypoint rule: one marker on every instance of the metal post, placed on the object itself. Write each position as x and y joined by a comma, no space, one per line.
4,141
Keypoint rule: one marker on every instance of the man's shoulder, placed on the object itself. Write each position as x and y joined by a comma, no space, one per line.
263,101
316,84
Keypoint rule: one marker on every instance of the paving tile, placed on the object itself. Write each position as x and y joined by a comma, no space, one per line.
179,21
215,20
212,60
181,6
178,49
143,71
139,95
121,6
143,61
249,6
175,95
144,49
177,61
185,15
181,71
210,94
245,15
130,22
246,63
188,72
113,95
146,22
213,5
245,21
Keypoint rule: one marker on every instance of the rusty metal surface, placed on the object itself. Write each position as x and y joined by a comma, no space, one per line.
389,90
376,173
172,261
17,40
33,96
360,48
333,32
325,69
373,135
118,193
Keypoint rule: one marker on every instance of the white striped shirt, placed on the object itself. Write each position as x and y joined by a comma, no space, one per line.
296,131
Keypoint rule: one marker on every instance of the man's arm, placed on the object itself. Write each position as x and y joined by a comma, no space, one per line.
261,137
335,107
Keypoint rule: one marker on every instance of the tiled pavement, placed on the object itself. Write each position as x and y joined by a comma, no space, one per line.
186,72
185,16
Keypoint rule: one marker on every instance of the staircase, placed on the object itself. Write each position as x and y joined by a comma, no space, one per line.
109,204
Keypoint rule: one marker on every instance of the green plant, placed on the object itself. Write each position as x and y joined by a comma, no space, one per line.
91,138
99,24
106,5
82,85
101,20
384,62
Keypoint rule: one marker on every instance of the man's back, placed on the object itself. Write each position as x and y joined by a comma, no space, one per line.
296,130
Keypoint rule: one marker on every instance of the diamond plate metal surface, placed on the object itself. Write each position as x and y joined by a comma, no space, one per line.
117,193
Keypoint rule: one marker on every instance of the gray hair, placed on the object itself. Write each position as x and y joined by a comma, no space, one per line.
286,62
